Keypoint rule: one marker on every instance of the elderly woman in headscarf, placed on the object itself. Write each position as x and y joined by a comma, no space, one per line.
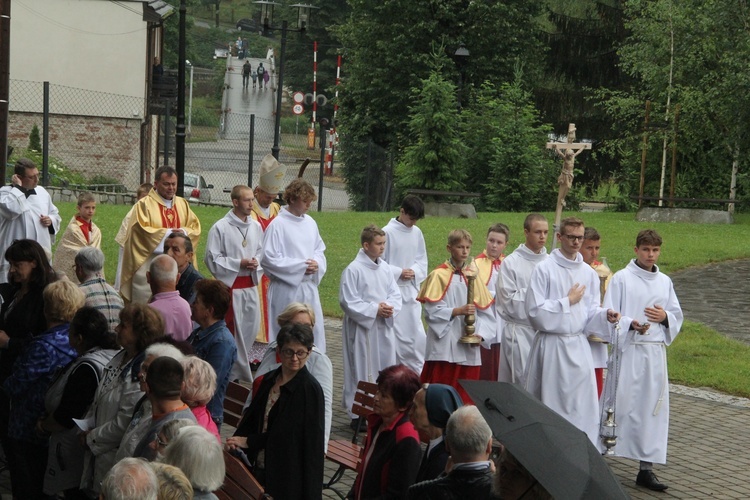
433,405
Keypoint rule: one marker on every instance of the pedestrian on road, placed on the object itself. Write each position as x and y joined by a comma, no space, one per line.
266,77
254,76
246,69
261,74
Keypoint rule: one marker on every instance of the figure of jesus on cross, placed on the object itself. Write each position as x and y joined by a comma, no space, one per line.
568,151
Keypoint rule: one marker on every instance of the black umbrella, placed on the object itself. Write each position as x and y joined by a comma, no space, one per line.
554,451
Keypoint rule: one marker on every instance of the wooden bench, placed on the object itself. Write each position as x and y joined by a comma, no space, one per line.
234,401
348,453
239,483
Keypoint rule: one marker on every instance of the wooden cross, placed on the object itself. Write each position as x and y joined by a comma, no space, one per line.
568,151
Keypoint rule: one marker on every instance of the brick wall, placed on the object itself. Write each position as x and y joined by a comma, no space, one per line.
88,145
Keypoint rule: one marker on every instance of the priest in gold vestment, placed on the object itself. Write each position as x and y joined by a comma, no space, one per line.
154,217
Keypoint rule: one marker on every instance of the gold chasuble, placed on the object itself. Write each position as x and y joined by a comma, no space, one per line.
149,223
437,283
486,266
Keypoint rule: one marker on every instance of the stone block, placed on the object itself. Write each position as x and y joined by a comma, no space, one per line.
457,210
693,215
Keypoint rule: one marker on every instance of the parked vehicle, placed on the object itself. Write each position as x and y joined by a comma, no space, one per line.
196,189
248,25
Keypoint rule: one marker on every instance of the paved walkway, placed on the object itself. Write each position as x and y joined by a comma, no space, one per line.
717,295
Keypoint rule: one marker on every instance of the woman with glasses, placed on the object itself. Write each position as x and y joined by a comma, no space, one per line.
317,363
282,431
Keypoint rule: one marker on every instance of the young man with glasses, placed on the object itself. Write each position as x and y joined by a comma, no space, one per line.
562,304
26,212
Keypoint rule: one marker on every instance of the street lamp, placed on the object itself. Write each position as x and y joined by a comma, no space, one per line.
190,100
462,56
266,14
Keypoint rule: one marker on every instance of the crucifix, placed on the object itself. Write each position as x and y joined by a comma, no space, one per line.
568,151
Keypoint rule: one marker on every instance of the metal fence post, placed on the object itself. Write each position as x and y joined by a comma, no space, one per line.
166,132
251,150
45,136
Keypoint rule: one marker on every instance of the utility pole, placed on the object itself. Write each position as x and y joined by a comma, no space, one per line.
179,158
4,83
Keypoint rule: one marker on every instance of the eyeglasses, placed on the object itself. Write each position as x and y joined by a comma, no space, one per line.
160,442
573,237
289,354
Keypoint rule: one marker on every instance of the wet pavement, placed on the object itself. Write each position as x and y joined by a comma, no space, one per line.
717,295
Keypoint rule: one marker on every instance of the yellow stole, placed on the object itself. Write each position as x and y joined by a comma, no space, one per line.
258,215
485,266
436,285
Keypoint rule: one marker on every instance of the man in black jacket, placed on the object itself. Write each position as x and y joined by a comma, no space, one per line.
468,439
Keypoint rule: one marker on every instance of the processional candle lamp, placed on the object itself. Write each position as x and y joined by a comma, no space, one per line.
470,272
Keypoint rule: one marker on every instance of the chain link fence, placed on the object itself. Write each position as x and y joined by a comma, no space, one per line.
94,137
102,139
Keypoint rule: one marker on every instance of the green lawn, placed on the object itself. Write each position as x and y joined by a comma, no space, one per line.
695,355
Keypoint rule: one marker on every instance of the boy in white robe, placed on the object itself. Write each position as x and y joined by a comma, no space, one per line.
232,255
590,253
510,299
488,266
81,232
651,319
562,302
444,295
406,253
294,258
371,301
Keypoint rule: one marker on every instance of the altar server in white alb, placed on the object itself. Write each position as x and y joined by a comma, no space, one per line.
406,253
293,258
233,257
651,319
510,299
371,300
562,303
488,266
26,212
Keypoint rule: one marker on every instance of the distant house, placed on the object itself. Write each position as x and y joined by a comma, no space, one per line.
98,57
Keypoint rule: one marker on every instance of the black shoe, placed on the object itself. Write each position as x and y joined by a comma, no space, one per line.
647,478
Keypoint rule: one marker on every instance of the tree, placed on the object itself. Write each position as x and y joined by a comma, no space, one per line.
35,143
435,157
387,54
582,37
507,160
710,49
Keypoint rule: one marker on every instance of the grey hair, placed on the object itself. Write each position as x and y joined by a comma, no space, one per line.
467,433
200,381
163,269
198,454
130,479
171,429
163,349
91,260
